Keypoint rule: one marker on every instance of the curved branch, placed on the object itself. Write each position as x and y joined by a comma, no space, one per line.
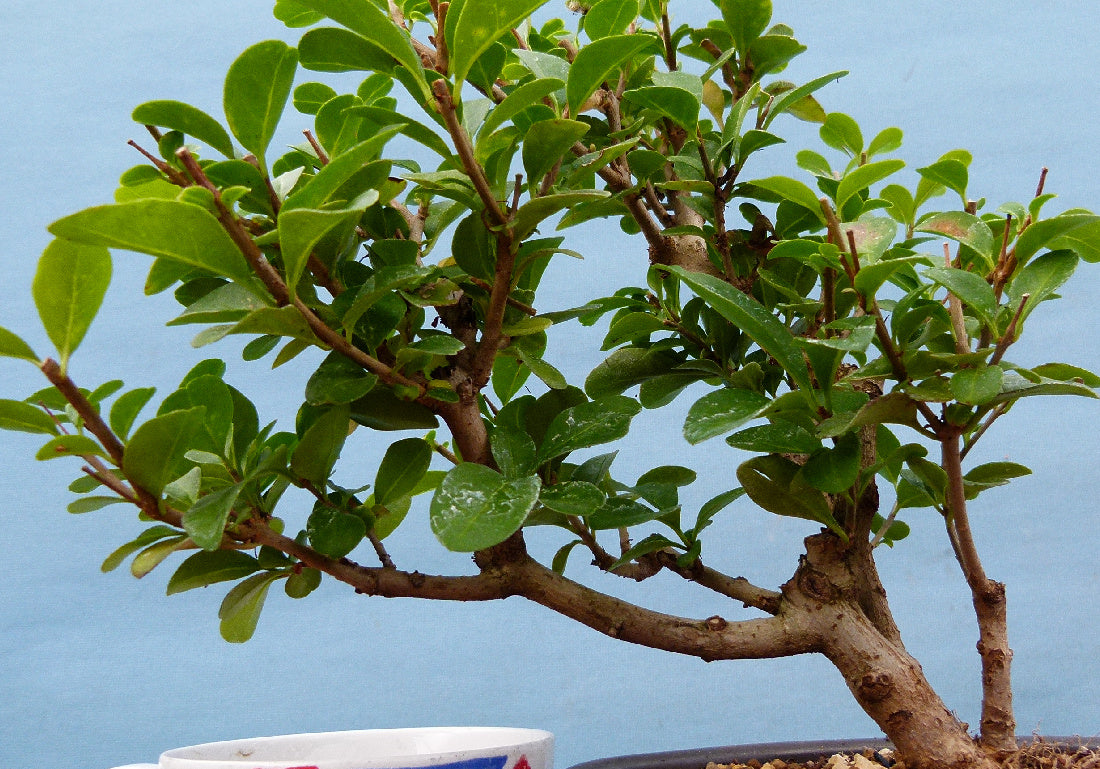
737,588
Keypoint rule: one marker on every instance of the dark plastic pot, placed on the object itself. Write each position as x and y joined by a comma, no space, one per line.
698,758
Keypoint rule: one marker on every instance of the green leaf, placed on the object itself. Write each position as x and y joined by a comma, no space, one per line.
25,418
965,228
609,17
588,424
476,507
150,535
596,62
533,212
887,140
1040,278
316,453
788,100
651,544
970,288
772,482
794,191
338,380
402,468
517,101
328,181
950,172
480,24
546,142
977,386
240,610
513,451
864,176
301,583
996,473
842,133
207,568
70,446
380,409
333,532
834,469
746,20
720,412
573,498
775,438
257,86
155,454
330,49
68,290
300,229
179,231
205,520
186,119
753,319
1066,372
675,103
154,555
620,512
11,346
88,504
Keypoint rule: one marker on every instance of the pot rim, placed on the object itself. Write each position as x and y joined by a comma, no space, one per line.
698,758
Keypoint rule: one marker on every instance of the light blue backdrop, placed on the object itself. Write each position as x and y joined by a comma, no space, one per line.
101,670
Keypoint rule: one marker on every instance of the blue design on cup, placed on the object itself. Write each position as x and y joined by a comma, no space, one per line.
488,762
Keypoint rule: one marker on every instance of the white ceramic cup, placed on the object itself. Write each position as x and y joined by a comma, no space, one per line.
436,747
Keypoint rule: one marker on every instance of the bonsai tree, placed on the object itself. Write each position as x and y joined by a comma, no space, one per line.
849,337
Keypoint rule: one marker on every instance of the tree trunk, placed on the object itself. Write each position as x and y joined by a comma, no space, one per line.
888,683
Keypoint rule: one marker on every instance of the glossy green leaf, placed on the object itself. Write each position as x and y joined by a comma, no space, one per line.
886,140
573,497
155,453
864,176
977,386
70,446
182,232
533,212
996,473
620,512
675,103
309,97
518,100
240,610
68,290
970,288
338,380
746,20
1014,386
772,483
787,101
652,544
950,172
325,183
609,17
257,87
333,532
300,229
293,14
513,451
476,507
380,409
330,49
792,190
1040,278
596,62
721,411
842,133
316,453
186,119
205,520
753,319
545,144
402,468
207,568
481,23
11,346
154,555
965,228
301,583
775,438
1066,372
23,417
834,469
588,424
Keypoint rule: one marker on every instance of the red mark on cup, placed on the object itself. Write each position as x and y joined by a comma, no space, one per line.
522,763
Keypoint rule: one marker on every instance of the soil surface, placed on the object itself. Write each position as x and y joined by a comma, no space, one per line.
1034,755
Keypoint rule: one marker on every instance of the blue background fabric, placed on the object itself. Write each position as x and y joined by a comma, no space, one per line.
102,670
